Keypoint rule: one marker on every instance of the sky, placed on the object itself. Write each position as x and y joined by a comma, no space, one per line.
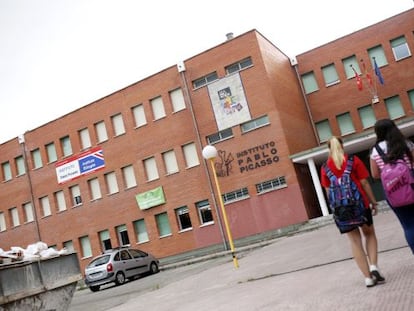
59,55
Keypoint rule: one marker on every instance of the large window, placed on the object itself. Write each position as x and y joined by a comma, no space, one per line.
220,136
245,63
129,176
95,189
76,195
345,123
177,100
14,215
105,240
45,204
190,155
378,54
309,82
6,169
205,80
101,132
163,225
254,124
28,212
123,235
394,107
36,158
86,249
367,116
349,63
66,146
85,138
139,115
151,169
158,109
51,153
273,184
183,218
324,130
235,195
118,124
60,201
170,162
330,75
204,212
400,48
141,231
20,166
111,183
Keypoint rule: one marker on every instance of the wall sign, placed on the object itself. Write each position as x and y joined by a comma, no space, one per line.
150,198
256,157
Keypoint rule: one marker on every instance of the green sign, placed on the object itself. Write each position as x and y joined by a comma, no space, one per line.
150,198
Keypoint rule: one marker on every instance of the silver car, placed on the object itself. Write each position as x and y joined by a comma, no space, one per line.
118,265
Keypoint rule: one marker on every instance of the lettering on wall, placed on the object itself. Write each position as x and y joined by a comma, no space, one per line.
258,156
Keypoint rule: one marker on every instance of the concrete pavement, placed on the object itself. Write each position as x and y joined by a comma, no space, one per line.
310,270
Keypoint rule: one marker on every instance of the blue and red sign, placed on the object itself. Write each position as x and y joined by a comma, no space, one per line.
82,164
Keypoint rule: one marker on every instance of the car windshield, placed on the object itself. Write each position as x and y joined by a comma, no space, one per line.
99,261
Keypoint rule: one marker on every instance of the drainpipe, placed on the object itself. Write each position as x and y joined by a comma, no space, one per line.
181,70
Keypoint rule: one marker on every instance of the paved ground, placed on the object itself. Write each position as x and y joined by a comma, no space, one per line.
311,270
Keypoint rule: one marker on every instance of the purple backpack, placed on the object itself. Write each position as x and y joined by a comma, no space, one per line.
397,180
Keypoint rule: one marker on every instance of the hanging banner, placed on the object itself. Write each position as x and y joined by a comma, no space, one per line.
150,198
82,164
229,102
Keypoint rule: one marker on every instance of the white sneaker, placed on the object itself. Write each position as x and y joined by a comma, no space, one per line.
370,282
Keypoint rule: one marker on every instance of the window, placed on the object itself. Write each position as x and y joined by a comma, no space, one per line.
129,176
141,231
236,195
254,124
204,212
139,115
60,201
45,204
51,153
69,246
377,52
205,80
118,124
219,136
163,224
20,166
101,133
76,196
170,162
111,183
247,62
367,116
6,169
324,130
105,240
14,215
411,97
330,75
151,169
274,184
86,249
66,146
190,155
309,82
158,110
177,100
36,158
85,138
28,212
400,48
2,222
345,123
122,235
349,63
94,189
183,218
394,107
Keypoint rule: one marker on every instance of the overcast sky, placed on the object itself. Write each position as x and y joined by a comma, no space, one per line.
59,55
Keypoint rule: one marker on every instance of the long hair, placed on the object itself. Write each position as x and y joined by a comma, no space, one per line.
386,130
336,151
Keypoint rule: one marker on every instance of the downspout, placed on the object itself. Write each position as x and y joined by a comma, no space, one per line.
181,70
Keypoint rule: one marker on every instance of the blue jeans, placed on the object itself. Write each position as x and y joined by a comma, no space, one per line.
405,215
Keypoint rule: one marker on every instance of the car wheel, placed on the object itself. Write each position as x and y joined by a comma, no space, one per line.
120,278
94,288
154,268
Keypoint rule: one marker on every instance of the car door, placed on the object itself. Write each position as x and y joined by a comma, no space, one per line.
141,261
127,263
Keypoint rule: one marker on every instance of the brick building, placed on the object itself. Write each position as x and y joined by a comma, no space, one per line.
128,168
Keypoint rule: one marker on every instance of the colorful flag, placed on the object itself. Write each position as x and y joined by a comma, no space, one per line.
378,72
358,79
367,74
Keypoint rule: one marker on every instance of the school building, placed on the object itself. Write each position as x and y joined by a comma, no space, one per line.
128,168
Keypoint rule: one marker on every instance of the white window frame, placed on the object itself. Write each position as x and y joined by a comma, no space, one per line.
309,82
14,215
141,232
101,132
151,169
28,212
204,211
158,109
95,189
345,123
85,244
177,100
324,130
20,165
129,176
399,45
85,138
394,107
36,158
367,116
51,152
45,204
60,201
191,155
111,183
118,124
183,213
7,173
3,226
139,115
76,195
66,146
170,162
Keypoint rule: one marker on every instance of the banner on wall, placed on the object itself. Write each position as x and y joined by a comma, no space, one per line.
150,198
229,101
82,164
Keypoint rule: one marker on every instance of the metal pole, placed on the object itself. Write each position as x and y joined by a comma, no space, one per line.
226,223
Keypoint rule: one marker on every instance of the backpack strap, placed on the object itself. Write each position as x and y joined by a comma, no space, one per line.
380,152
347,170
